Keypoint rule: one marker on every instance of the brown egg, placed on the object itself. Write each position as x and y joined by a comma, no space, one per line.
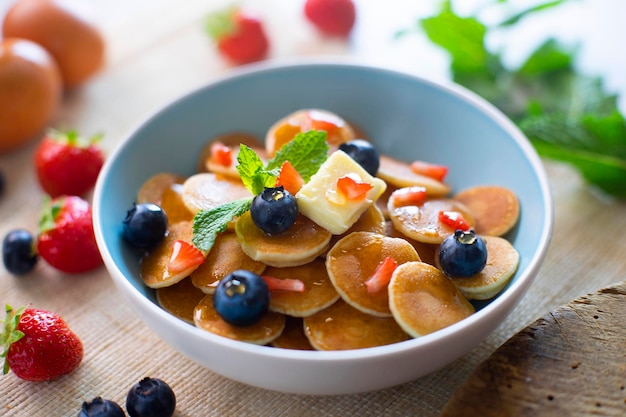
77,46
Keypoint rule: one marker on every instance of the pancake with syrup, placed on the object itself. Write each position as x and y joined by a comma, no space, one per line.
166,191
262,332
300,244
207,162
207,191
422,223
318,292
372,220
423,300
180,299
398,174
293,336
495,209
225,256
342,327
354,259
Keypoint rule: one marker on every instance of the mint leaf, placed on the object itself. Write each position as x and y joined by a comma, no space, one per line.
306,152
208,223
253,174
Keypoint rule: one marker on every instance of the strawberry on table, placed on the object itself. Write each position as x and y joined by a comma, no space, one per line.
240,37
66,237
68,164
38,345
331,17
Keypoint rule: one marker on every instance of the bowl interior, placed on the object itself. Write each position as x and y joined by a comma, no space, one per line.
406,117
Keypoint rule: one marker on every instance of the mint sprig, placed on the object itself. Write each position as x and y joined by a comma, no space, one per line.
306,152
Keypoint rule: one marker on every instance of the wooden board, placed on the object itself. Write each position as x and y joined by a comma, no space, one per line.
571,362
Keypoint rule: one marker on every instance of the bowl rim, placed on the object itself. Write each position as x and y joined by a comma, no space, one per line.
504,302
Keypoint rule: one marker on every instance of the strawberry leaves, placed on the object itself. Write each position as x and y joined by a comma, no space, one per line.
10,334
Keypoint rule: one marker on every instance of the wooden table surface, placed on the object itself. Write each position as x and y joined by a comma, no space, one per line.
157,50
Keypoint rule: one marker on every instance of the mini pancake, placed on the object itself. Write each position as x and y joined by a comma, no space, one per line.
154,271
502,262
371,220
224,257
422,222
496,209
180,299
293,336
230,171
206,191
383,201
399,174
263,332
229,139
299,121
318,292
353,260
423,300
152,189
342,327
426,251
300,244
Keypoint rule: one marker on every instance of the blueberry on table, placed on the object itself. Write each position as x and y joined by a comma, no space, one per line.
99,407
145,225
363,153
462,254
18,252
274,210
151,397
242,298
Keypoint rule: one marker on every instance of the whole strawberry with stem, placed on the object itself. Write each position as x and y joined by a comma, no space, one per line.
331,17
38,345
67,163
240,37
66,238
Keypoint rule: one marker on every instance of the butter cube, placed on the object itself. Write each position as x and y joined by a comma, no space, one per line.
320,201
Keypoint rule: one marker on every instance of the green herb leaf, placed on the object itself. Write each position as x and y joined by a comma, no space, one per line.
208,223
253,174
307,151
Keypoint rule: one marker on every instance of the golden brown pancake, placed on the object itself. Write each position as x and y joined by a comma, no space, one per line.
342,327
300,244
371,220
207,191
353,260
423,300
399,174
180,299
318,292
495,209
151,191
293,336
426,251
502,262
263,332
422,222
154,271
225,256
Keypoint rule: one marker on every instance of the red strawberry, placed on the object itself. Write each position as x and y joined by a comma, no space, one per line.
353,190
382,275
331,17
38,345
283,284
66,238
289,178
184,257
68,164
240,37
428,169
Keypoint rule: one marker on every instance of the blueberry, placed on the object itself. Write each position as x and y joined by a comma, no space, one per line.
274,210
101,408
145,225
462,254
241,298
18,252
150,397
364,153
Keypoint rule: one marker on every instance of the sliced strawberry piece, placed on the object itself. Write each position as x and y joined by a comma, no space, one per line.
283,284
184,256
437,172
409,196
317,120
289,178
221,154
454,219
352,189
382,275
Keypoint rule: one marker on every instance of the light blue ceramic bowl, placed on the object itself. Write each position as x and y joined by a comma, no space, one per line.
406,117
